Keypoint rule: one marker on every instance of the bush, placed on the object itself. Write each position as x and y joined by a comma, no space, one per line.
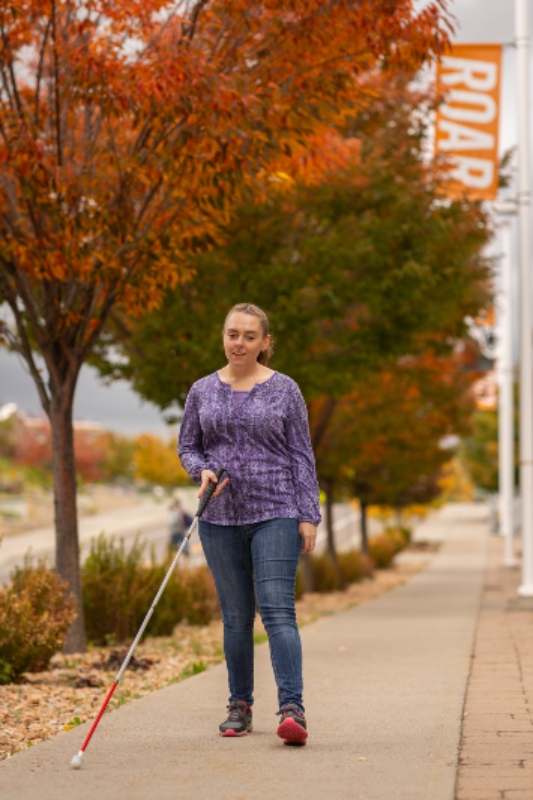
201,597
396,539
189,595
299,589
406,533
119,587
324,577
381,550
35,613
354,566
115,589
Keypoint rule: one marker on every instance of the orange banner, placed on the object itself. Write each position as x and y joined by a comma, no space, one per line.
468,120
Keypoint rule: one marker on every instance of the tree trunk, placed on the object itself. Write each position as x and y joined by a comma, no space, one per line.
364,526
399,518
331,549
319,430
66,518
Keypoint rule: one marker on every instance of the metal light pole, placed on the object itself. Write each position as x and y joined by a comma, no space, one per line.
505,389
522,40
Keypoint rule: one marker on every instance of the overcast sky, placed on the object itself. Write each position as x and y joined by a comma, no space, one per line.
117,407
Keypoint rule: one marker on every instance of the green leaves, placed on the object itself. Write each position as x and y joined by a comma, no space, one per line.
355,270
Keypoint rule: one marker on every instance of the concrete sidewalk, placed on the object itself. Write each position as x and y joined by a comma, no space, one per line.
385,693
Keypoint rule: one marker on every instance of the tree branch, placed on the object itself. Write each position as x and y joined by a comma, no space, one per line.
46,338
107,305
125,334
40,72
318,433
23,346
57,101
14,88
148,199
189,30
7,88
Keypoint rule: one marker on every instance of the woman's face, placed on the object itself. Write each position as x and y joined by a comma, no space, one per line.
243,339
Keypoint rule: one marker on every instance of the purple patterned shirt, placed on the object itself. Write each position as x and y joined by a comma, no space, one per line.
263,444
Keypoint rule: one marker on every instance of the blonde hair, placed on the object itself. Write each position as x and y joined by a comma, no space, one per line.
254,311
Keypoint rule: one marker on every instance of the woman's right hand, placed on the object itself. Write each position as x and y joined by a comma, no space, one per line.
208,475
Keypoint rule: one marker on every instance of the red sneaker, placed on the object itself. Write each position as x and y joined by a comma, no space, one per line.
293,727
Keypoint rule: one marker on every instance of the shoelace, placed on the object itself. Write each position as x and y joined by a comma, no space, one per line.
236,712
286,711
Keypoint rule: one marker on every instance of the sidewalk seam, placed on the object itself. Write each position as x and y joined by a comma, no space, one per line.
461,742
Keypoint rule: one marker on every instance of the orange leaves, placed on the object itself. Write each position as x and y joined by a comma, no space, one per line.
384,436
131,132
156,462
324,152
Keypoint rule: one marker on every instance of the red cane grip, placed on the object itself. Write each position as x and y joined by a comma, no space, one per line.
206,497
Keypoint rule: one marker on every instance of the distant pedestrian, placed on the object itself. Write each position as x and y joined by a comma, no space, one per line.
253,421
179,524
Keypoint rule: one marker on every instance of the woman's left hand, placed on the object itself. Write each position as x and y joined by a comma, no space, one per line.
308,533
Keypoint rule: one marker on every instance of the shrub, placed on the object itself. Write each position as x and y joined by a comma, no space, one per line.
299,589
396,539
381,550
354,566
35,613
189,595
119,587
324,577
400,537
201,598
406,533
115,590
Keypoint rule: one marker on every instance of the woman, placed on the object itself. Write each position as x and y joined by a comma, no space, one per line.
252,421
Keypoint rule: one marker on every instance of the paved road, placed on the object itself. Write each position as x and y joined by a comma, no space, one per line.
385,687
146,517
149,519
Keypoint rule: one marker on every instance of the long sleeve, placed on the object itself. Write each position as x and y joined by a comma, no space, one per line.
190,442
263,444
302,458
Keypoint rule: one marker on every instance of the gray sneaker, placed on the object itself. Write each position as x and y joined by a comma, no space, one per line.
239,721
293,727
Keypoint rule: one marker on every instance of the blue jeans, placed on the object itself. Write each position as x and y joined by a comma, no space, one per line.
256,564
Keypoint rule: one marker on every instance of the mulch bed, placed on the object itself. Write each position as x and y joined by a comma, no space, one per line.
73,688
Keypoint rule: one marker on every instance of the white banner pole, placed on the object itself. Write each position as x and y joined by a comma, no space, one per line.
522,40
505,395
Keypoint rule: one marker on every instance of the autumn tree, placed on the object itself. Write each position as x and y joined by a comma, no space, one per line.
95,449
384,442
127,130
119,458
352,269
90,453
479,450
156,462
365,265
